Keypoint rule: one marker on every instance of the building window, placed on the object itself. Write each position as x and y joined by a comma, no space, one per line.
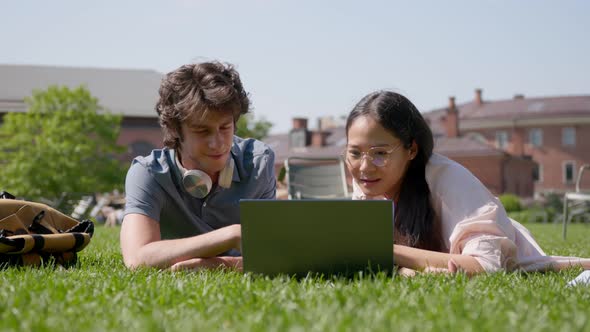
536,137
568,136
568,171
538,173
501,139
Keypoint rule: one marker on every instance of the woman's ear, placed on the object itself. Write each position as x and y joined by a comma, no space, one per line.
413,150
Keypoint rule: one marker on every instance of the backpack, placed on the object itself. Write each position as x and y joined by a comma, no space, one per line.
33,233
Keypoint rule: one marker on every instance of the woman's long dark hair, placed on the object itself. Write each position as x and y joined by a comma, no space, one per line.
415,220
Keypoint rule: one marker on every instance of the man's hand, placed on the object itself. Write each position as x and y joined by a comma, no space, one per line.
236,235
196,264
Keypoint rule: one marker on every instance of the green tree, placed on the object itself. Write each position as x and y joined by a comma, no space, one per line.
247,127
65,142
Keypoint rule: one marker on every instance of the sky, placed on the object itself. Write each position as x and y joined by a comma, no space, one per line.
318,58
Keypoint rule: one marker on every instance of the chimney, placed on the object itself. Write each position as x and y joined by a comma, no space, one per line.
319,138
452,105
299,136
517,140
478,99
452,119
300,123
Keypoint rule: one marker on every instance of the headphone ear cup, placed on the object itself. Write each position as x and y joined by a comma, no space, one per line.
197,183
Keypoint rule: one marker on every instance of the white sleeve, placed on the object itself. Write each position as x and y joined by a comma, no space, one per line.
473,221
483,238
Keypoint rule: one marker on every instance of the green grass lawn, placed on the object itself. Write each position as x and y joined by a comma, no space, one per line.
100,294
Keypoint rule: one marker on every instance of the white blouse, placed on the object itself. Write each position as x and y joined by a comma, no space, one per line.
474,222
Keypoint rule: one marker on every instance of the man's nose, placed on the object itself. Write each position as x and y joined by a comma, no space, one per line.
215,141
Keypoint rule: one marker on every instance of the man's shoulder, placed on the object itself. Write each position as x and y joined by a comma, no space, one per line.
157,162
249,148
151,172
253,158
251,145
150,169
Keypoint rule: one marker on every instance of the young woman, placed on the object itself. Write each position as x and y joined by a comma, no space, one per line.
445,218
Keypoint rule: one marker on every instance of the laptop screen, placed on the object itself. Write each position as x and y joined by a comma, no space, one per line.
295,237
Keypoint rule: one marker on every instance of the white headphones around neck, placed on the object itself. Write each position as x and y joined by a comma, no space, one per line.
198,183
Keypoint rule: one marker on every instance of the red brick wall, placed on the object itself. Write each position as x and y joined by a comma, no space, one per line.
518,176
552,154
151,135
128,136
139,130
488,169
502,174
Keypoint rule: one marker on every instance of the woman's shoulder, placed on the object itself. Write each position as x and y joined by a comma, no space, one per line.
441,169
451,181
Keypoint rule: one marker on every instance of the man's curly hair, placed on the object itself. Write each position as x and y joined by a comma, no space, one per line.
197,89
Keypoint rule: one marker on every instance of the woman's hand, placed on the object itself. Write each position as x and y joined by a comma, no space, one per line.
405,272
452,268
196,264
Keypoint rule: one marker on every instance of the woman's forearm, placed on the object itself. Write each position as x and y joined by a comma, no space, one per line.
419,259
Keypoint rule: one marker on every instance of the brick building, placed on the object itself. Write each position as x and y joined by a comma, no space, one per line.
553,131
132,93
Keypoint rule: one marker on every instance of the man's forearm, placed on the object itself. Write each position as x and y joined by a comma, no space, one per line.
162,254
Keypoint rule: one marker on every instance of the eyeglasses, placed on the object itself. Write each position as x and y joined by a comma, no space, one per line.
378,155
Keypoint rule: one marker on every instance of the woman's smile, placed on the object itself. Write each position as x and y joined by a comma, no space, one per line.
368,182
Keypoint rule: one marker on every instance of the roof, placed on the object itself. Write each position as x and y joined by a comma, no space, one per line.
545,108
527,108
131,92
464,146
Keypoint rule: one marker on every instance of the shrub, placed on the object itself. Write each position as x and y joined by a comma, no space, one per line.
531,215
511,202
554,201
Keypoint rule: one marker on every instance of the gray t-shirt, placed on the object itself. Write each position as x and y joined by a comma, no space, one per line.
153,188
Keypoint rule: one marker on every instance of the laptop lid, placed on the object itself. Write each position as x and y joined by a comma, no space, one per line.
295,237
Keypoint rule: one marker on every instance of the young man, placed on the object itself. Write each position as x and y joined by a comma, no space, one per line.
182,201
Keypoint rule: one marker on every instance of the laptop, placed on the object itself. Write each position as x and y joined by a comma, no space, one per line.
298,237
